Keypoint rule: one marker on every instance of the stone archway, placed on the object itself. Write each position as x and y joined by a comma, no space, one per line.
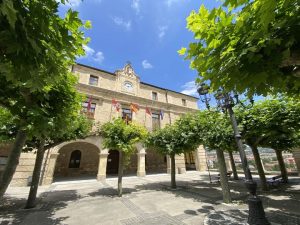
64,150
77,160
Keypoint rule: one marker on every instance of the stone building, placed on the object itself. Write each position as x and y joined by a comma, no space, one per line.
105,93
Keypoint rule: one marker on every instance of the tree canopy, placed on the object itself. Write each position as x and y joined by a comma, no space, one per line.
37,45
121,136
247,46
271,123
37,49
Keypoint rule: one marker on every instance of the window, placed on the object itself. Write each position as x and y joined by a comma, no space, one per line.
154,96
126,114
75,159
183,102
93,80
91,109
155,121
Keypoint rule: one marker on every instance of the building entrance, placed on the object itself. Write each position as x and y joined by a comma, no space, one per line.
112,162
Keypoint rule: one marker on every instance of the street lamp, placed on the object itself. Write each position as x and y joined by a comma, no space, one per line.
226,102
203,92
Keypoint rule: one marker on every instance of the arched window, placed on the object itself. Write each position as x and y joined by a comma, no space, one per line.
75,159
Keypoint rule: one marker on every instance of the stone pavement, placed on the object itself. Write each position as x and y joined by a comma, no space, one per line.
147,200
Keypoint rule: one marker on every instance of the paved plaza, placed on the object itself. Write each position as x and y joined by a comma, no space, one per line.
147,200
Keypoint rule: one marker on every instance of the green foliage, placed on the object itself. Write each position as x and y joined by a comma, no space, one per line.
217,132
247,46
57,116
38,48
121,136
8,128
37,45
273,123
183,136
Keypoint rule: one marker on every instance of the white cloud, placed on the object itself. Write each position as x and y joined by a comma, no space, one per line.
91,54
88,51
121,22
162,31
146,64
136,6
190,88
99,57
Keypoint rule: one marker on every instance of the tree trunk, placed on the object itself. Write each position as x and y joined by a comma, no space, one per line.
260,168
235,175
13,161
223,177
173,172
31,200
282,166
120,173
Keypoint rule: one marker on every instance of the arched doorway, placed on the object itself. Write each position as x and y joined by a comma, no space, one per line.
112,162
77,160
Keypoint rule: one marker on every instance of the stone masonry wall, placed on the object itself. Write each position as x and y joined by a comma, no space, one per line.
88,164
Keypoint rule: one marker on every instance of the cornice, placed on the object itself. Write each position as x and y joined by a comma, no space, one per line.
107,95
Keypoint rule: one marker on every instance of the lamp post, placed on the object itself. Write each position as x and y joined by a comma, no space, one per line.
203,92
226,102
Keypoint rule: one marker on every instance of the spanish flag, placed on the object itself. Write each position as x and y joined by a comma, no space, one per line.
134,107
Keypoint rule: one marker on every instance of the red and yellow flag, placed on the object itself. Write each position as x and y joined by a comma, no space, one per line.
134,107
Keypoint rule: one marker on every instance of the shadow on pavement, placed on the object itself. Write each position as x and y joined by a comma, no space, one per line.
12,209
111,192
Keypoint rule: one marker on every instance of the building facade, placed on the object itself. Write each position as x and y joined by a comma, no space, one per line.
111,95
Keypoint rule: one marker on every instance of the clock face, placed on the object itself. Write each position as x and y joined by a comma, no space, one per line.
128,86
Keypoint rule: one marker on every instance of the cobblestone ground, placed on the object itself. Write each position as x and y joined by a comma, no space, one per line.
147,200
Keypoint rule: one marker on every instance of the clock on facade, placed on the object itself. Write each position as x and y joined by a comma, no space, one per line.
128,86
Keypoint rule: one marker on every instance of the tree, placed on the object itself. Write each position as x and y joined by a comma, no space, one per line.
73,127
284,126
272,123
65,123
37,49
218,135
175,139
122,137
247,46
251,120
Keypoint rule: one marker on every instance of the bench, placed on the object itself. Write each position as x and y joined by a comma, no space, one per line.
218,176
274,181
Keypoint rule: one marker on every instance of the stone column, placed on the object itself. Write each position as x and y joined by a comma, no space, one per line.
168,164
296,154
101,176
228,164
141,163
200,159
180,164
48,177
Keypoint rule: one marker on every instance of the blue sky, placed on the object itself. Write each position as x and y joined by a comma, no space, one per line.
148,33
